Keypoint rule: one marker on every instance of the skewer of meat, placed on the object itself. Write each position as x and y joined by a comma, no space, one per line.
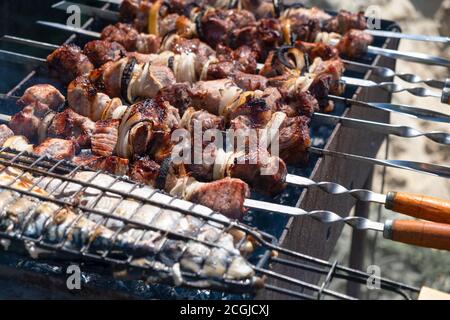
148,171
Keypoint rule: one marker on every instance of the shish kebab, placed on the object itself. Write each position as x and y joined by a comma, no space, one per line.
314,150
116,33
112,52
382,72
101,52
269,9
100,109
193,20
148,172
420,233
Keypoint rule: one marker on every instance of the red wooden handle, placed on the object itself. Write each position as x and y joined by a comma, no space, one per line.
419,206
420,233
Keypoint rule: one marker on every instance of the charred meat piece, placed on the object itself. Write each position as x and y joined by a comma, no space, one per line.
72,126
100,52
320,89
244,57
301,103
333,67
295,140
317,50
354,43
111,164
263,172
201,119
262,36
346,21
177,95
131,39
145,171
68,62
43,93
57,149
104,137
30,121
5,134
135,12
217,25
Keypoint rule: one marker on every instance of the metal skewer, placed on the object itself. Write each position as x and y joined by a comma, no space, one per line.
406,231
414,37
385,72
393,87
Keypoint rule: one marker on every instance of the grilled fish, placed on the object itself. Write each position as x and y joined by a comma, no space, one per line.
173,246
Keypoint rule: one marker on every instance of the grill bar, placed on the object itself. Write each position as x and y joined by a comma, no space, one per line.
45,167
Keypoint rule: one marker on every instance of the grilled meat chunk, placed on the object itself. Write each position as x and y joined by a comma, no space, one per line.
30,121
140,80
178,95
114,165
145,171
317,50
72,126
214,96
68,62
354,43
294,140
226,196
43,93
104,137
263,172
346,21
218,25
57,149
100,52
131,39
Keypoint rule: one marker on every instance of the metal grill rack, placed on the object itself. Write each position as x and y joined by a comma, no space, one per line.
63,172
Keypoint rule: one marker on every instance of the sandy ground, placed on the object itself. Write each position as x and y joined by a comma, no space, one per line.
409,264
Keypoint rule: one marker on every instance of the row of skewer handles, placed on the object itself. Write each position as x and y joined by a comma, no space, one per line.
135,72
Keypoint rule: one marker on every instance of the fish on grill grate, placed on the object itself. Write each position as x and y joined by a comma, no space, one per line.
202,248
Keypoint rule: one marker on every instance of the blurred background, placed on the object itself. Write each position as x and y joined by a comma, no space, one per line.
411,265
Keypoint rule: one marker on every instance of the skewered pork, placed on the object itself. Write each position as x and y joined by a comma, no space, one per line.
101,52
131,39
72,126
68,62
45,94
57,149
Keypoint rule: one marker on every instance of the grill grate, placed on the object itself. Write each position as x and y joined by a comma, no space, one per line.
63,172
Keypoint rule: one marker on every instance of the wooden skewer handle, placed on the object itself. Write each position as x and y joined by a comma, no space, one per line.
419,233
419,206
